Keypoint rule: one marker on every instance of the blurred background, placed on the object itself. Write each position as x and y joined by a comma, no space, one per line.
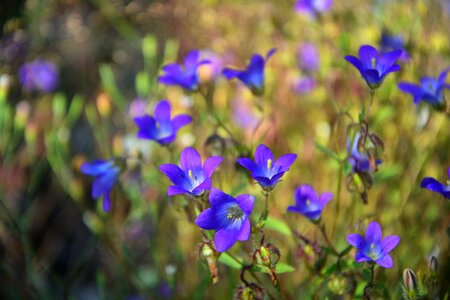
101,61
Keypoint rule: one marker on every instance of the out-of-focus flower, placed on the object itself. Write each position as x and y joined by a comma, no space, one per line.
312,7
359,161
308,203
304,85
374,65
435,186
253,76
243,115
265,169
106,174
160,127
211,70
308,57
373,247
39,76
192,178
185,76
229,216
389,42
430,90
137,107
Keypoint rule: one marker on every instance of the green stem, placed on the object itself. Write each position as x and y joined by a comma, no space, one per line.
265,212
370,283
327,240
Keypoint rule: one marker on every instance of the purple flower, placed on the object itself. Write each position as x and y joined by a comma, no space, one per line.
429,90
106,174
304,85
137,107
312,7
228,216
160,127
265,170
389,42
374,65
373,247
243,115
39,75
308,203
308,57
359,161
435,186
192,178
185,76
253,76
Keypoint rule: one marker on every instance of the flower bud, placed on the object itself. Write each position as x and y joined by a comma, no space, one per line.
409,279
433,265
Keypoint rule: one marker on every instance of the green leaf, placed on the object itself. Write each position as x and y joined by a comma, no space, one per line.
328,152
226,259
110,86
278,225
388,173
346,251
279,268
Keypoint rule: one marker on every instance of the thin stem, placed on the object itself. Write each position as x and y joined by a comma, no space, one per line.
327,240
370,283
265,212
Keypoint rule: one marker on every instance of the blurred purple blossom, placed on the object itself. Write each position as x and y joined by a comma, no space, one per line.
435,186
243,115
138,107
308,203
312,7
389,42
39,76
308,57
304,85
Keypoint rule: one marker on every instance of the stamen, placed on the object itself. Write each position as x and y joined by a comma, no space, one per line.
308,202
191,175
234,212
269,164
374,62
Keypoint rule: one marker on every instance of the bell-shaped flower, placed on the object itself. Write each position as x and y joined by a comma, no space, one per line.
373,247
192,177
308,203
435,186
253,76
265,169
161,127
359,161
430,90
374,65
229,217
184,76
106,174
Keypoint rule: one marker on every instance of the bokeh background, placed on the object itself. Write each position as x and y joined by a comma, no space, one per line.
57,243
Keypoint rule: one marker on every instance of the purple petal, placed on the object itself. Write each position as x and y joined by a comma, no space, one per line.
162,111
262,155
367,53
166,140
355,62
102,185
244,234
146,127
225,239
248,164
217,197
389,243
106,203
206,220
373,233
231,73
372,77
263,181
443,76
356,240
285,161
325,198
205,185
360,257
190,159
96,167
304,192
413,89
176,190
448,173
175,174
270,53
191,59
386,261
246,202
394,68
432,185
211,164
275,178
389,58
180,121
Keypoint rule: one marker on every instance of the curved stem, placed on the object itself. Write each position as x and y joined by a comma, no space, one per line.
370,283
327,240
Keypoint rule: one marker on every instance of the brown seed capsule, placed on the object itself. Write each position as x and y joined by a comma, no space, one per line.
409,279
249,292
433,265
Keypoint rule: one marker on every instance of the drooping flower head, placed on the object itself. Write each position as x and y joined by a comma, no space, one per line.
184,76
39,76
106,173
229,217
435,186
253,76
373,247
192,177
312,7
308,203
430,90
360,161
265,169
308,57
374,65
161,127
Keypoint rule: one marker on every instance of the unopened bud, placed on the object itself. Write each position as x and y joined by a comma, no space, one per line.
249,292
433,265
209,256
409,279
262,256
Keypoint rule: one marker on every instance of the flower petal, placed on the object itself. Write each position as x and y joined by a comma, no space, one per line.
244,234
415,90
389,243
211,164
270,53
206,220
373,233
304,192
204,186
388,59
356,240
191,59
262,155
146,127
355,62
190,159
360,257
231,73
367,53
248,164
104,183
176,175
386,261
217,197
106,203
176,190
162,111
96,167
325,198
246,203
225,239
285,161
180,121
